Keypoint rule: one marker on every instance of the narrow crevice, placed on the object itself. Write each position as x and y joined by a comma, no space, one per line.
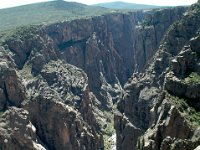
6,95
70,43
144,49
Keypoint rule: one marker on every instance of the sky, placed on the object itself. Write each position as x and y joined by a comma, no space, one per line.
12,3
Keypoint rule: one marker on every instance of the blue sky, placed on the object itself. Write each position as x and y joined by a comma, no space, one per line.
12,3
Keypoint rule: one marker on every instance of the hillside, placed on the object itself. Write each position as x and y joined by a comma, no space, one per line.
46,12
124,5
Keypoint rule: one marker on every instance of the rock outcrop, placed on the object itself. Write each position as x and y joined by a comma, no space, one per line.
162,104
12,91
59,97
54,110
17,131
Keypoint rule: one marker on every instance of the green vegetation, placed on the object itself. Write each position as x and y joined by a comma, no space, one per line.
1,113
108,130
193,78
193,115
189,112
45,13
23,32
26,71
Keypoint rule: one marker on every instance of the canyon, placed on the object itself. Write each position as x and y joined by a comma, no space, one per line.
75,84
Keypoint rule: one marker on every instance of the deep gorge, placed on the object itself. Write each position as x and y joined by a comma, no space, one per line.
69,82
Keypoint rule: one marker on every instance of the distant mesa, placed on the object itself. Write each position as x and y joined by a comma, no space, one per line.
124,5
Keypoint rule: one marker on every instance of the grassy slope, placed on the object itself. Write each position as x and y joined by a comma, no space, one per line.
123,5
46,12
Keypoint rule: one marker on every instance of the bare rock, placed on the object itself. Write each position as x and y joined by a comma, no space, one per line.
12,91
60,126
17,131
144,103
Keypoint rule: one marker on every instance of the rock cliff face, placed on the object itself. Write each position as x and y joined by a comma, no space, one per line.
54,109
59,106
12,91
53,94
17,132
160,108
114,45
